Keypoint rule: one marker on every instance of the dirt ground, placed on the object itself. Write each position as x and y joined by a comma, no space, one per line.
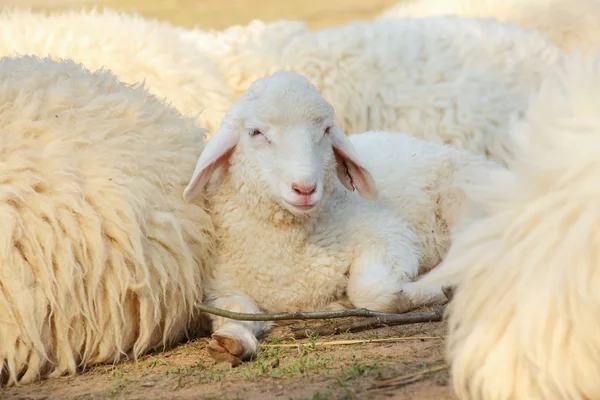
390,369
312,371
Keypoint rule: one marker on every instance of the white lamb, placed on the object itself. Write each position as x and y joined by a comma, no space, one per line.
574,25
292,237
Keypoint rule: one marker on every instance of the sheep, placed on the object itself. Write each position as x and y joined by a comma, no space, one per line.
450,80
290,236
100,257
574,25
523,322
134,48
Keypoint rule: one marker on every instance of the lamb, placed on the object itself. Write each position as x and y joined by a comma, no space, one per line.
523,323
134,48
100,257
293,237
574,25
450,80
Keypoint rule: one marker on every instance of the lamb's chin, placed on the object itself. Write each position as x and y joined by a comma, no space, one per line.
300,211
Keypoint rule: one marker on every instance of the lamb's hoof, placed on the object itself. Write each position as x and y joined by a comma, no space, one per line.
225,349
448,292
403,304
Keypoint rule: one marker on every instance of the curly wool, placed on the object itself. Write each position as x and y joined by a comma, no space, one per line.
523,323
100,257
243,52
134,48
450,80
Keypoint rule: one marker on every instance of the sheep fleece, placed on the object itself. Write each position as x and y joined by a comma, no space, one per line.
99,256
574,25
134,48
449,80
523,323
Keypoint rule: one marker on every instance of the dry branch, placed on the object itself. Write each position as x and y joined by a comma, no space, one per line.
376,319
370,323
355,341
359,312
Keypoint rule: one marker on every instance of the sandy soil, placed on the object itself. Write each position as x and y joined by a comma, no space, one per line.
351,371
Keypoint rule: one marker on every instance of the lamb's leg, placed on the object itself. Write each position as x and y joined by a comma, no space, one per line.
376,278
235,341
383,281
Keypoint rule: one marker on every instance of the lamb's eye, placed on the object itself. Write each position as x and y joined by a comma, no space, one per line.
254,132
327,130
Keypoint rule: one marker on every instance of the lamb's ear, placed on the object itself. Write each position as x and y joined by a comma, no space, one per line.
215,154
350,170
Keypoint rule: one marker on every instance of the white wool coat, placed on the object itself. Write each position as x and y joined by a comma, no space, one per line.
100,257
574,25
449,80
523,322
134,48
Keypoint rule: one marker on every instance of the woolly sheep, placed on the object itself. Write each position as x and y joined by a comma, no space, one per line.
450,80
523,323
135,49
100,258
574,25
293,237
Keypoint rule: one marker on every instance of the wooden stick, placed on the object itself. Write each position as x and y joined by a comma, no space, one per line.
359,312
356,341
370,323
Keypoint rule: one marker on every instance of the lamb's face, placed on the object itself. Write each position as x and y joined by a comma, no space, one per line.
286,150
283,145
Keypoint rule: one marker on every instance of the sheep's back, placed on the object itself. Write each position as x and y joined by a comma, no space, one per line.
99,255
134,48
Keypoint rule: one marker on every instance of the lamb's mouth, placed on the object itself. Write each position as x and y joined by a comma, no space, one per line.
301,207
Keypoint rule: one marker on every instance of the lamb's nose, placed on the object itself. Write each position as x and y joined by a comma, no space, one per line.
305,190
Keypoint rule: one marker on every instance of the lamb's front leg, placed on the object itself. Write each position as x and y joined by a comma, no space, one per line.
235,341
381,279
